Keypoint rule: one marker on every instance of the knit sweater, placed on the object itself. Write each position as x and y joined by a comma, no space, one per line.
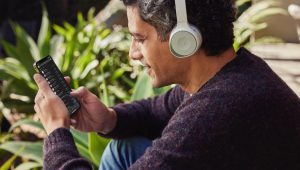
245,117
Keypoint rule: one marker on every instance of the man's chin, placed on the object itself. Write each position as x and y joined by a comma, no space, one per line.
158,84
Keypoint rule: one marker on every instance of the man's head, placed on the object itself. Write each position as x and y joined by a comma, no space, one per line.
151,21
214,18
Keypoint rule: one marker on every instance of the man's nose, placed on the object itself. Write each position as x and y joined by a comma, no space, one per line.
135,52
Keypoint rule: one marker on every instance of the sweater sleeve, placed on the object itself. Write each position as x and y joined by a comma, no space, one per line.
60,152
146,117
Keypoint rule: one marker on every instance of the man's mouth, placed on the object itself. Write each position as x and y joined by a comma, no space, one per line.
145,65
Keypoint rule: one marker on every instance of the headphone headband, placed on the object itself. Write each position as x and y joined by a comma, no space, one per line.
181,12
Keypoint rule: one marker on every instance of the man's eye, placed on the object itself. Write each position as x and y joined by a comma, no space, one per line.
139,40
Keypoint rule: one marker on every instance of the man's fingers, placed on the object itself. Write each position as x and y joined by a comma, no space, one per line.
43,85
68,80
39,97
80,92
37,109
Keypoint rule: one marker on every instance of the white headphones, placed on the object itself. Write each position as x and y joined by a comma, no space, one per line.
185,39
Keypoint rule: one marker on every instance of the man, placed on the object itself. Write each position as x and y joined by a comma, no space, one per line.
228,111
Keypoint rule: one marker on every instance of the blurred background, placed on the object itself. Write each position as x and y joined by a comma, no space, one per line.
89,42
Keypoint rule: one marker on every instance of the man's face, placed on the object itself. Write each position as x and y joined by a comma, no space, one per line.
162,66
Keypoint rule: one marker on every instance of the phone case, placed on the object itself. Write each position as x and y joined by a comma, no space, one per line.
48,69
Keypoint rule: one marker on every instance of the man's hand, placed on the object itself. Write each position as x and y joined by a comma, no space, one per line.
50,108
93,115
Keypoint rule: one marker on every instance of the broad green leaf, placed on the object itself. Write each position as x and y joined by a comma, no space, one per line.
268,12
143,87
45,34
9,49
118,92
80,137
81,141
32,150
28,166
27,48
18,87
104,96
27,122
255,9
97,145
13,67
67,59
84,152
57,49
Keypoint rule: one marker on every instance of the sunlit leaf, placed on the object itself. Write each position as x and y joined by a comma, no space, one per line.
29,122
143,87
97,145
28,166
44,34
32,150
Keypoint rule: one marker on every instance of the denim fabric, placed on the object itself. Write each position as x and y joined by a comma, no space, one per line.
120,154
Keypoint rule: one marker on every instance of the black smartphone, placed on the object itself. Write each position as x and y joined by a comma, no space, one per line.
49,70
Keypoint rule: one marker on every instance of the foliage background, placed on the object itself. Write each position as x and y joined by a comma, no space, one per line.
93,56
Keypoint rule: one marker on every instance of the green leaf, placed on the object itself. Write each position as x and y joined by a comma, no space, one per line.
9,49
268,12
143,87
92,64
60,30
19,87
118,73
32,150
84,152
80,137
7,165
97,145
70,30
45,34
26,44
27,122
81,141
161,90
90,14
28,166
13,67
68,57
57,49
26,49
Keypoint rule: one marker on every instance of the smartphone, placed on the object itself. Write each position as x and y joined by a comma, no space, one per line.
49,70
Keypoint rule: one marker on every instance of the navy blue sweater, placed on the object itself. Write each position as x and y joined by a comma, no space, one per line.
245,117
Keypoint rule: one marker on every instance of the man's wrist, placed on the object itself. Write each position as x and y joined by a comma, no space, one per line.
111,124
56,125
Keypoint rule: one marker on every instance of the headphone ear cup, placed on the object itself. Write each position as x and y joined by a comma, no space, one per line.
185,40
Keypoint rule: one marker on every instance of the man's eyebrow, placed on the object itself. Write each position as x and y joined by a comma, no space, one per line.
136,34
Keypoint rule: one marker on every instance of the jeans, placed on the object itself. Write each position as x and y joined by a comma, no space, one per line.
120,154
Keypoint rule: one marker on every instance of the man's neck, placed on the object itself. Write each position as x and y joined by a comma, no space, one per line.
202,68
